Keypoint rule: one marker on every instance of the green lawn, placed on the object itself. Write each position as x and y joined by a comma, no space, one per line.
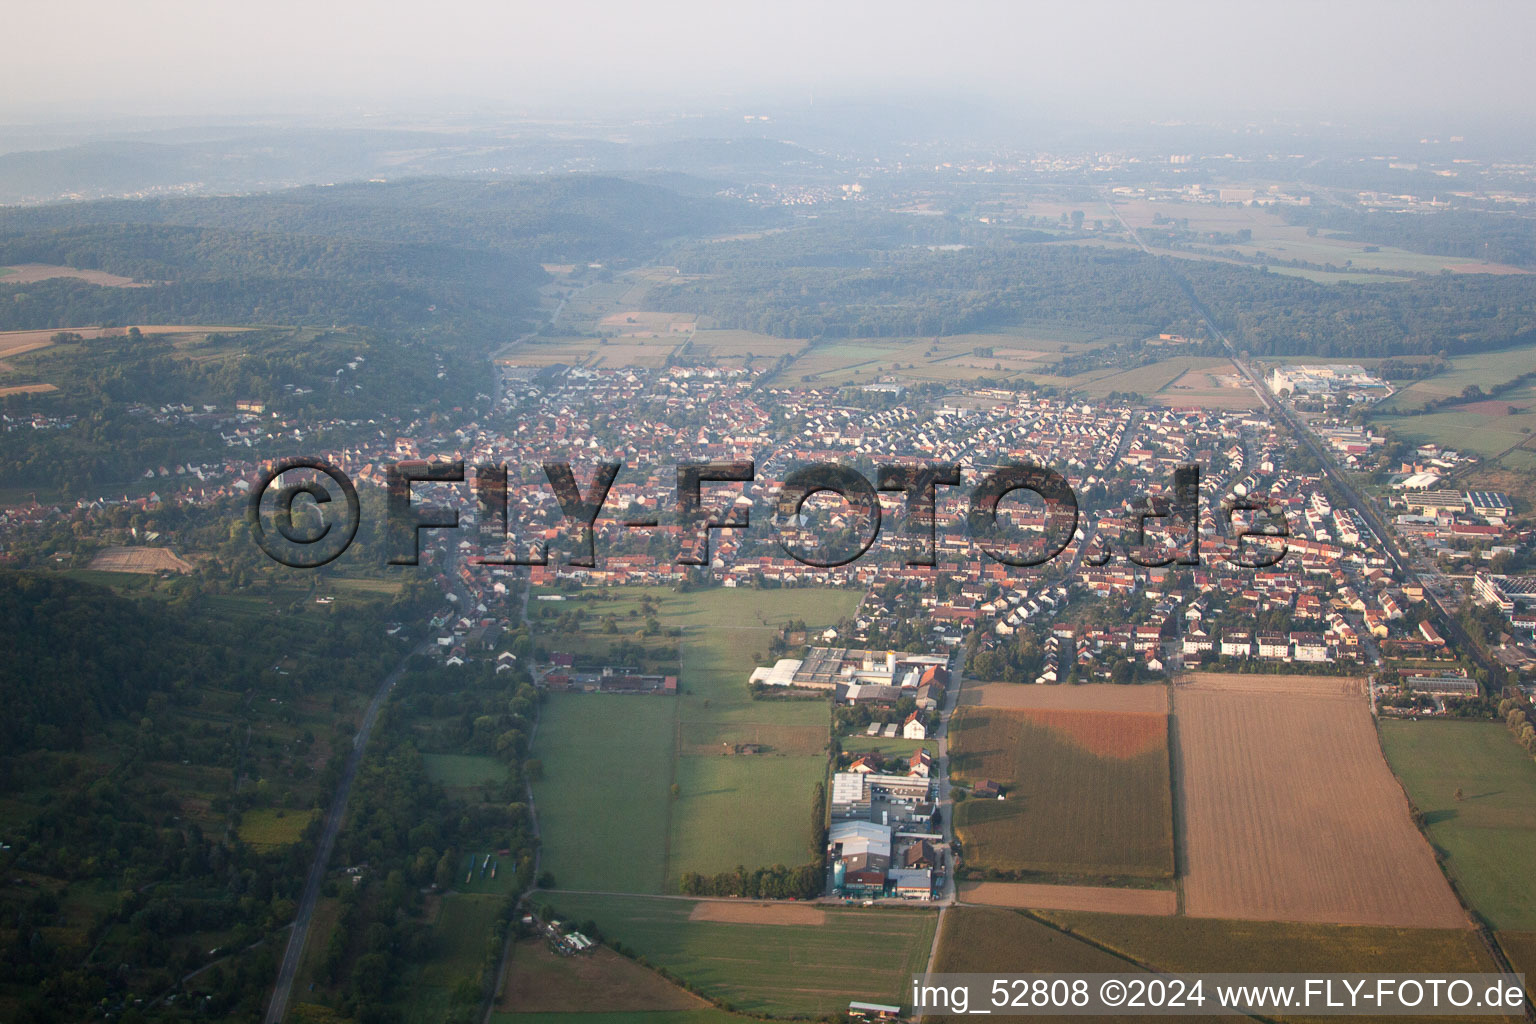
807,969
1488,838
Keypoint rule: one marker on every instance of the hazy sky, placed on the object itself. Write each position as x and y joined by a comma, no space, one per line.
71,58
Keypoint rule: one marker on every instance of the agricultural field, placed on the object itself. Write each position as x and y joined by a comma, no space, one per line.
778,968
1099,898
269,828
1187,944
1289,812
706,1016
649,353
1276,240
139,560
1488,838
459,942
1148,380
1520,948
603,801
719,797
1485,369
1019,352
1083,697
1484,428
735,348
541,981
1207,388
1086,793
30,273
996,940
977,940
628,833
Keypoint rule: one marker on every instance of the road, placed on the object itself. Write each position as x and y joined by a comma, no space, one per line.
945,804
1447,623
334,816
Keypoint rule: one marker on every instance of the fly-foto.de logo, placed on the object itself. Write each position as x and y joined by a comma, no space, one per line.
304,512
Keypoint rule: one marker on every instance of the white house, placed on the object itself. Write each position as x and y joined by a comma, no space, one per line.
913,729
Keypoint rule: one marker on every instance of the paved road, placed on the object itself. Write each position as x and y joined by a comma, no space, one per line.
1405,568
333,819
948,896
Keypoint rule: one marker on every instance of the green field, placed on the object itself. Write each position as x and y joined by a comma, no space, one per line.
1008,941
603,800
1488,838
981,940
1207,944
1009,353
1485,369
459,939
720,801
268,828
1087,793
768,968
605,807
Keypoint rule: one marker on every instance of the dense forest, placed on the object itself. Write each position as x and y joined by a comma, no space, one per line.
577,217
829,291
1471,234
56,689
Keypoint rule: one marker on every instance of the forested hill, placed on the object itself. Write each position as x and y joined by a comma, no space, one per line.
77,655
444,254
826,282
576,217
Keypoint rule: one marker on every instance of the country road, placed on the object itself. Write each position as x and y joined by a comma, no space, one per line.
334,816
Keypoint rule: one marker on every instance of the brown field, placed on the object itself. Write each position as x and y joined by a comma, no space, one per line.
139,560
1097,899
648,356
1087,697
1290,812
27,389
28,273
1086,794
1207,389
994,940
1520,948
757,913
649,324
1119,734
542,982
14,343
1257,682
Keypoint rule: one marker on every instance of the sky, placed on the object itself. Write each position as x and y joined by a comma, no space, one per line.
1176,60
